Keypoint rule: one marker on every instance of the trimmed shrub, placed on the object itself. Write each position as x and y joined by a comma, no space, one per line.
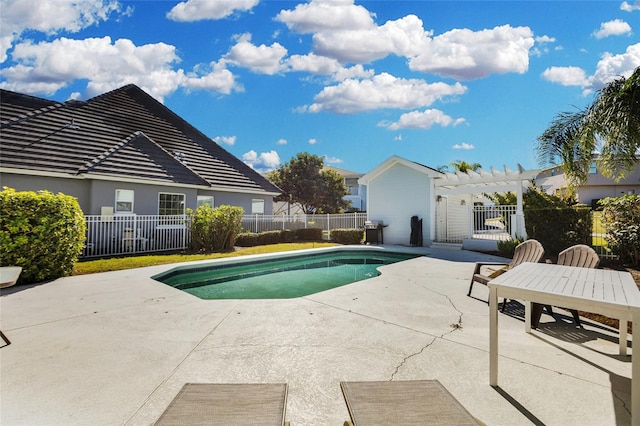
215,228
309,234
559,228
287,236
268,237
347,236
622,223
247,239
41,232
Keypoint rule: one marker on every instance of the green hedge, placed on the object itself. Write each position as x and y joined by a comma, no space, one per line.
247,239
269,237
308,234
215,229
347,236
251,239
41,232
559,228
287,236
622,223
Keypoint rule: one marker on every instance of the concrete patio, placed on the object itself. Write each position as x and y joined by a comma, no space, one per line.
115,348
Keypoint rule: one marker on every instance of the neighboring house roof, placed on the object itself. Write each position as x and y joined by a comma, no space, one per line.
393,160
347,174
124,133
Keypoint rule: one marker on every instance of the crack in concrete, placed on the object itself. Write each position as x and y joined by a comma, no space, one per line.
399,366
454,327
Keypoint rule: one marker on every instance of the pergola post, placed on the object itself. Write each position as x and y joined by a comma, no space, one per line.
519,228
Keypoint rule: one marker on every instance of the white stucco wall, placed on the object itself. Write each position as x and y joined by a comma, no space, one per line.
394,196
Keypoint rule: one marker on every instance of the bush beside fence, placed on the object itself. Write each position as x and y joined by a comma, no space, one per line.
42,232
559,228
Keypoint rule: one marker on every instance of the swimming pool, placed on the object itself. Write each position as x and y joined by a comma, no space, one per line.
280,277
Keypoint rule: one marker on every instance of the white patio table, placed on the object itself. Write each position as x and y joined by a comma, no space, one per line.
607,292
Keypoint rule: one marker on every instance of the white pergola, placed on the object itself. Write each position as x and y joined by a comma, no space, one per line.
493,181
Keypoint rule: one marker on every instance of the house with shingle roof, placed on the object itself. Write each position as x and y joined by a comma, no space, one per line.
122,152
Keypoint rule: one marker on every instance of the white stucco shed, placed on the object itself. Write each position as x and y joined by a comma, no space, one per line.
398,189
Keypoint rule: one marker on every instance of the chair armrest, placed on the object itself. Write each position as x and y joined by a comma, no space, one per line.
481,264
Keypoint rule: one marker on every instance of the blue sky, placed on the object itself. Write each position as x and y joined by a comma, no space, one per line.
354,82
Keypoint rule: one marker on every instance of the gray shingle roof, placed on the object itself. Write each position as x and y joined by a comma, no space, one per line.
122,133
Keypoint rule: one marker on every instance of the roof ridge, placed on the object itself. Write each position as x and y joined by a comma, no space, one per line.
128,141
35,113
183,164
111,92
100,158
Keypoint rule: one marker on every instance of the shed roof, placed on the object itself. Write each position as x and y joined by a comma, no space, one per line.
123,133
393,160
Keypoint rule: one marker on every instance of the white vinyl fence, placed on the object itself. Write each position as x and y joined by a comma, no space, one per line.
456,221
117,235
493,222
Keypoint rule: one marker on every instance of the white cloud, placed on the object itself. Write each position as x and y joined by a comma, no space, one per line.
381,91
322,65
261,59
51,17
332,160
423,120
348,34
214,77
567,76
609,68
227,140
198,10
629,7
466,54
545,39
398,138
612,66
281,142
52,65
403,37
332,15
612,28
356,71
46,67
464,145
313,141
314,64
262,163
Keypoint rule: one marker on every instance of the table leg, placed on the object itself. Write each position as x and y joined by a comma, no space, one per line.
528,306
493,336
635,371
622,336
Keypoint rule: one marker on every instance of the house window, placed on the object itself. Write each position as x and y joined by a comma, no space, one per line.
257,206
170,204
205,200
592,169
124,201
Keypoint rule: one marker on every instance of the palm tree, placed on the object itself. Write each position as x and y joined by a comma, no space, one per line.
464,167
611,125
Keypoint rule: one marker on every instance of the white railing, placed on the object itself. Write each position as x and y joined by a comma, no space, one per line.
128,234
125,234
493,222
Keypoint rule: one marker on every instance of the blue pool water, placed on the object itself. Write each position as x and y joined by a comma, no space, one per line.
286,276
